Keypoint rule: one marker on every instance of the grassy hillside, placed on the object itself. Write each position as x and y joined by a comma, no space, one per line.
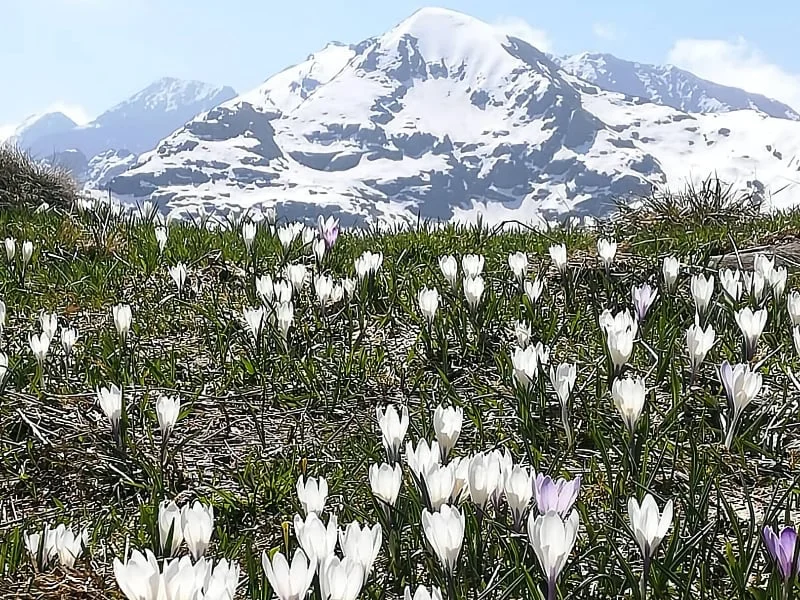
258,412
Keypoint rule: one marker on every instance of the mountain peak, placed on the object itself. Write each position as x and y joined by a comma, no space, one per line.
169,94
429,23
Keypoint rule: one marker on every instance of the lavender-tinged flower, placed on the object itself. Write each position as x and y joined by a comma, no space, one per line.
781,547
643,298
328,230
555,495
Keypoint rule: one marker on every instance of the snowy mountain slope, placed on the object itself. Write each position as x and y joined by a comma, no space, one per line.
136,124
445,117
668,85
38,126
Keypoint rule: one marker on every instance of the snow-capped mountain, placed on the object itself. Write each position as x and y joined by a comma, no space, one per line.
668,85
135,125
445,117
39,126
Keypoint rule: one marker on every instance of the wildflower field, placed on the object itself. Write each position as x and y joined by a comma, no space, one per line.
249,408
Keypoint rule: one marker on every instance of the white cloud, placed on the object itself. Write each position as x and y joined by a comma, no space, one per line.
6,131
520,28
605,31
74,111
737,63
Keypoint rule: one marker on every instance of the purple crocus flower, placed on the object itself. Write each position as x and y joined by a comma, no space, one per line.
557,496
643,298
328,230
781,547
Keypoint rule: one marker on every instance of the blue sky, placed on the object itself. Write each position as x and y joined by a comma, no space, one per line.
83,56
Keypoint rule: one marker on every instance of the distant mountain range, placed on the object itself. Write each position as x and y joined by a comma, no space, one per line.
131,127
442,116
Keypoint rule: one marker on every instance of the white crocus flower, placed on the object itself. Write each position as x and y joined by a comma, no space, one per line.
444,531
472,265
629,397
447,426
312,494
649,527
606,250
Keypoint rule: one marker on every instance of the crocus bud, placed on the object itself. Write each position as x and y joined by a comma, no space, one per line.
422,593
198,526
68,339
643,298
781,547
312,494
340,579
161,238
319,250
649,527
438,481
518,263
328,230
558,254
11,248
110,401
518,487
533,290
447,425
702,291
169,527
525,363
248,235
555,495
393,428
670,269
317,540
27,252
361,545
421,458
472,265
698,343
629,396
484,478
167,411
428,303
606,250
793,306
752,325
178,274
449,268
40,345
385,482
730,281
473,291
122,319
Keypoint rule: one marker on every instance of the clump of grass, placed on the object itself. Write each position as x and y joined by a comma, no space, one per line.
710,201
28,182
